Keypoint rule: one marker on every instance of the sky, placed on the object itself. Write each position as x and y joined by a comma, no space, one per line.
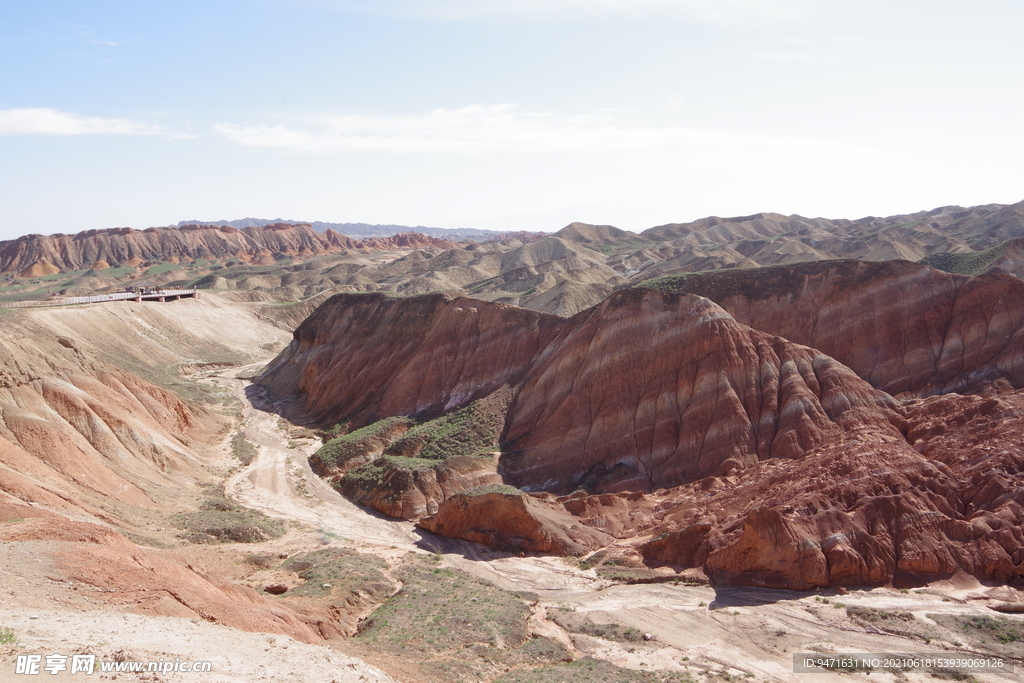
503,114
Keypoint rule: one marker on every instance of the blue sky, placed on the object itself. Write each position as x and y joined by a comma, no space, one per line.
503,114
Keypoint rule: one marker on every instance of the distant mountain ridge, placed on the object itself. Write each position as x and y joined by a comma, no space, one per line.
359,230
39,255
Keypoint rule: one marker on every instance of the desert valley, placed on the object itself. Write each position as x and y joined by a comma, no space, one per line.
683,454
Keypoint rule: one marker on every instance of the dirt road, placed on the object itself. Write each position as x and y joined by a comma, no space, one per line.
280,483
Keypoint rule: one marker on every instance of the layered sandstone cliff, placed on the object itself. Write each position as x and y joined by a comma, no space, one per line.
36,255
901,326
84,437
707,443
592,407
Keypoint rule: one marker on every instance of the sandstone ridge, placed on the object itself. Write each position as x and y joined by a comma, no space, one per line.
38,255
713,445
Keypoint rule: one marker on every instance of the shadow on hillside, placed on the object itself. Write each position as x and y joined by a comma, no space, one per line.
470,550
289,410
745,596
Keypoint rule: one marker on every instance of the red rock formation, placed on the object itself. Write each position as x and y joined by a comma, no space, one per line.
758,460
34,255
83,437
151,584
593,408
513,519
408,488
862,513
902,327
700,395
365,357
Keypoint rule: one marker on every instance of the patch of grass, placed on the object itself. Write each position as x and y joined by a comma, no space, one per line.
492,488
338,569
471,430
340,449
893,621
1003,630
334,432
441,609
163,268
220,520
368,477
242,448
7,636
589,670
574,622
973,263
879,615
119,272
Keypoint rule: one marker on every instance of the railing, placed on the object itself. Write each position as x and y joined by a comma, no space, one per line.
101,298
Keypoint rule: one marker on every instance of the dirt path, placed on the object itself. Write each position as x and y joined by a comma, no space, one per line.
280,483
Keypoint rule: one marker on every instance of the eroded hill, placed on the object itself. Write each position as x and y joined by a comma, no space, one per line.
562,273
696,440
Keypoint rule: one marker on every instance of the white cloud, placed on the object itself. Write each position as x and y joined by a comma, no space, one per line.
41,121
775,57
712,11
484,129
112,43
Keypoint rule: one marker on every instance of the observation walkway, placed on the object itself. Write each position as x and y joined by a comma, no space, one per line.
143,295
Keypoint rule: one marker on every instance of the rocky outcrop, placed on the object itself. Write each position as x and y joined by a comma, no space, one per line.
862,514
725,449
411,488
505,517
82,441
903,327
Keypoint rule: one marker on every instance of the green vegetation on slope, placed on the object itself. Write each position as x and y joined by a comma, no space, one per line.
338,569
974,263
341,448
472,430
575,622
589,670
371,475
441,609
